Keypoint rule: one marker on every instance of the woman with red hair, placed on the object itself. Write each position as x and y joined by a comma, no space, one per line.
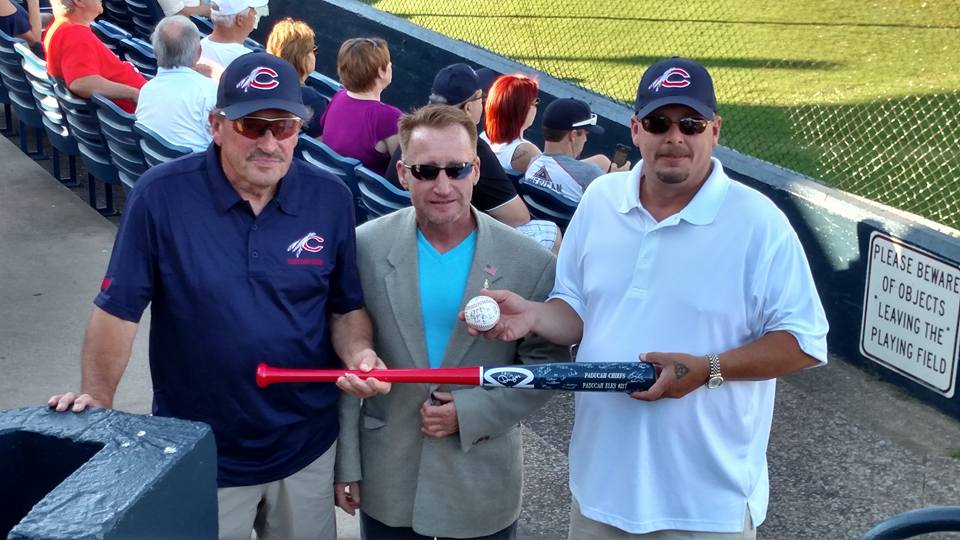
511,108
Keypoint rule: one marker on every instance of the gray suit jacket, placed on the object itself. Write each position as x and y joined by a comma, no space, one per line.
466,484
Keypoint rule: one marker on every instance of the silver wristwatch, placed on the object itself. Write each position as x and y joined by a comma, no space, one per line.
715,379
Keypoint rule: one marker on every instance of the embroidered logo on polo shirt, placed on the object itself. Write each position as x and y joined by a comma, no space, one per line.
311,243
261,78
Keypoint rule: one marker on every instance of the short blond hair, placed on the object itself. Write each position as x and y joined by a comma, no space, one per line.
359,62
292,40
437,117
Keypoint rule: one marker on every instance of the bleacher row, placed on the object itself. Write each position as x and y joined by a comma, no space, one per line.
115,149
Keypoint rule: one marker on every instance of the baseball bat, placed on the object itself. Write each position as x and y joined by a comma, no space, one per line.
570,376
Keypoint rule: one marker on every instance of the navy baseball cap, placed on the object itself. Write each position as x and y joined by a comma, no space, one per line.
455,83
570,113
258,81
487,76
676,81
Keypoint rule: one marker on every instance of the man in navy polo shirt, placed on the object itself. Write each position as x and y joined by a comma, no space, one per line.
246,256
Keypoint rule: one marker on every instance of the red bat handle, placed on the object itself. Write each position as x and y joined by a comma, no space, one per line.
267,375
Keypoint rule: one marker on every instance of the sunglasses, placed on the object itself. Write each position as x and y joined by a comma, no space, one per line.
536,102
659,125
254,127
430,172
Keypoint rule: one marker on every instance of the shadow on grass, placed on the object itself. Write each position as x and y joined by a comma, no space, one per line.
710,63
898,151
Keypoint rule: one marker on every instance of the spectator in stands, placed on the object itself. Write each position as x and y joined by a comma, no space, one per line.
293,41
177,102
441,462
185,7
75,56
233,20
511,108
494,194
15,21
566,122
356,123
206,242
487,76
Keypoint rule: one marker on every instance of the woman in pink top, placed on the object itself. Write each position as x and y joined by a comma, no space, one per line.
356,124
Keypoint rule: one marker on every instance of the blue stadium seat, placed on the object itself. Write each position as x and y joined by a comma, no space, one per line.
110,34
916,523
85,127
156,149
116,12
203,24
145,14
21,96
322,156
53,120
378,195
253,45
323,84
547,204
124,143
7,110
139,53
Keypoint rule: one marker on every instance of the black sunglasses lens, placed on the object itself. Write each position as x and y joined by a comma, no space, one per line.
656,124
659,125
460,171
692,126
430,172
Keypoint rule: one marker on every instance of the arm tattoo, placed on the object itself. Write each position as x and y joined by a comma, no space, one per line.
680,370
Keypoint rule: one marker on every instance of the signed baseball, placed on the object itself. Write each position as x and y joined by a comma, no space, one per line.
481,313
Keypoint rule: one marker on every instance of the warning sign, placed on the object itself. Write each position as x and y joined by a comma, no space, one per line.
911,310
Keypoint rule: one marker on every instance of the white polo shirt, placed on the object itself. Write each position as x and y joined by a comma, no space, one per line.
176,103
219,55
719,274
172,7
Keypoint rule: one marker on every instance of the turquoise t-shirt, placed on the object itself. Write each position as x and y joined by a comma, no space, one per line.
443,278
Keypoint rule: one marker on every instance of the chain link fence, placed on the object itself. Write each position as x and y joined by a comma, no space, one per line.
864,96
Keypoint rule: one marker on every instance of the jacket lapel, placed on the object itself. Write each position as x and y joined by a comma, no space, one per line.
403,293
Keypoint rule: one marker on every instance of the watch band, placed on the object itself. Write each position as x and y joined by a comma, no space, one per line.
714,360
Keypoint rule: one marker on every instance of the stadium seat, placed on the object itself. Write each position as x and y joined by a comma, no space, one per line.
378,195
322,156
54,123
116,12
21,96
547,204
124,143
84,125
145,14
253,45
323,84
156,149
916,523
515,176
110,34
203,24
139,53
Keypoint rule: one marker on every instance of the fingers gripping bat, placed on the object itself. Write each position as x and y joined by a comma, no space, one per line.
570,376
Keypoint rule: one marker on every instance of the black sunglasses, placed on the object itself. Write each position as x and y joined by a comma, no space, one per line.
659,125
430,172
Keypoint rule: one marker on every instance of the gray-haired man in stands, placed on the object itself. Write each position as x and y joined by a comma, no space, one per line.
177,102
233,20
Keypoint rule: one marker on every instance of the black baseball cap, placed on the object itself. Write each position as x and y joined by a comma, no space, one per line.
258,81
570,113
455,84
676,81
487,76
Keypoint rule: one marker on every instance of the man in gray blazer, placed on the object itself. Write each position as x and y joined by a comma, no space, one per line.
440,462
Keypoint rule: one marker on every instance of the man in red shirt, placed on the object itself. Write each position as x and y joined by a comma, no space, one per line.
75,55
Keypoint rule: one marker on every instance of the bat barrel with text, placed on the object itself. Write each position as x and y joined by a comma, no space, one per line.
570,376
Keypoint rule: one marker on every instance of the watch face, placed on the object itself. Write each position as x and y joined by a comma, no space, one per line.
714,382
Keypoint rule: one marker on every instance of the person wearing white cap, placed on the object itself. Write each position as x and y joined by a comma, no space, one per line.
185,7
233,20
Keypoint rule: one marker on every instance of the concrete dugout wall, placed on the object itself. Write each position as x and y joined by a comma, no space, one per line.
904,328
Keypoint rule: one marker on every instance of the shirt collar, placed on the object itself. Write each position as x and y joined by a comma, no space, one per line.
225,196
179,69
701,210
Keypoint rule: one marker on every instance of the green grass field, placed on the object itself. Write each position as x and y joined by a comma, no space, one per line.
863,95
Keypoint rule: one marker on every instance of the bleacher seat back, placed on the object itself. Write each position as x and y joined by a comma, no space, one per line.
323,84
145,15
123,142
156,149
46,102
378,195
322,156
547,204
110,34
139,53
84,125
15,81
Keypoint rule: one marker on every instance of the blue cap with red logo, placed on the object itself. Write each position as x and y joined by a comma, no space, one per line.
676,81
259,81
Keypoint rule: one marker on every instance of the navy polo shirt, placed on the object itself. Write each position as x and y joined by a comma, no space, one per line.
228,290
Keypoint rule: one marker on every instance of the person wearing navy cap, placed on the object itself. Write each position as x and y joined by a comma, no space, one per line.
676,264
245,255
566,125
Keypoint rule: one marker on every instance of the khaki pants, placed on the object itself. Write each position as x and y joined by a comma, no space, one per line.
297,507
584,528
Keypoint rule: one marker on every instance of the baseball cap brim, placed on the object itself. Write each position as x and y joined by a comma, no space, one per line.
242,109
694,104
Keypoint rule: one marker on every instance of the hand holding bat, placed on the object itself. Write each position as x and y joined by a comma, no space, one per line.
570,376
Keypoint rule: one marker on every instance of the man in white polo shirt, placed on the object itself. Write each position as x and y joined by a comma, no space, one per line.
233,21
676,264
176,104
185,7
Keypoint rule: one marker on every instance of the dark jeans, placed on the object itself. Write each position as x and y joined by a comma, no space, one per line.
372,529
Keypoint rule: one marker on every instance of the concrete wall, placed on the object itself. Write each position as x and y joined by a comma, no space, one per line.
835,227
